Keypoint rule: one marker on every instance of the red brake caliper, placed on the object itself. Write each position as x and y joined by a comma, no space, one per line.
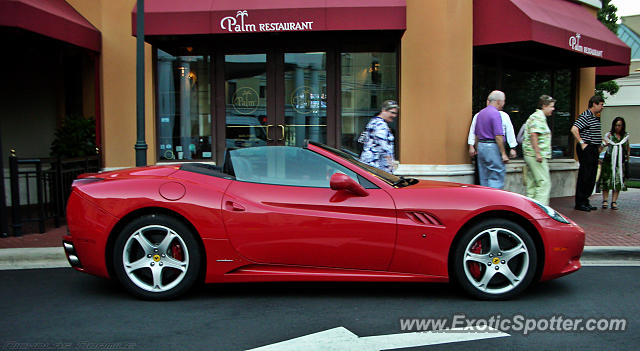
176,252
474,267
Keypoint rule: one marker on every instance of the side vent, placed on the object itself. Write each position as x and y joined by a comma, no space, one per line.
423,218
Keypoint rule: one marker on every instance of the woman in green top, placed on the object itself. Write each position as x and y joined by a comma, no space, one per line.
611,172
536,148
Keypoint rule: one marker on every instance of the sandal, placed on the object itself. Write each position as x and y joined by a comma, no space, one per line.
614,205
605,204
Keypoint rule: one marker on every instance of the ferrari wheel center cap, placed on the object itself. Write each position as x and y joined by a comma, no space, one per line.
156,257
496,260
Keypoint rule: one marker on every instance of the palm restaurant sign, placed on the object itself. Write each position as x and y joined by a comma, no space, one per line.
574,43
239,24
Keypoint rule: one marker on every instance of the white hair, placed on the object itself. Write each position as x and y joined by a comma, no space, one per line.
496,95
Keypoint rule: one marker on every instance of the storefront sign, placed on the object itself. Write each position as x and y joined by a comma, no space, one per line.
574,43
232,24
245,101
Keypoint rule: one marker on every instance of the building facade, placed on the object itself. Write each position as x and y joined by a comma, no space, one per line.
626,103
222,74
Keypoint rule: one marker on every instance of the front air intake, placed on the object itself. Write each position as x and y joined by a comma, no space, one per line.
423,218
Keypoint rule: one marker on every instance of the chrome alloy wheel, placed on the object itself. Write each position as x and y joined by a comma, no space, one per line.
496,261
155,258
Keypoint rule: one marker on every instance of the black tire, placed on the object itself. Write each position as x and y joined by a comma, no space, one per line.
156,257
499,272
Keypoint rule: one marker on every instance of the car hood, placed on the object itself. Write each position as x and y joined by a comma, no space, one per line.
430,184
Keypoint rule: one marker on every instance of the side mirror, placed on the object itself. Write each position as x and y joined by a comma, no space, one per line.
341,181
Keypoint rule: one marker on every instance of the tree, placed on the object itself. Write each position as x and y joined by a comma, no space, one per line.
607,15
610,87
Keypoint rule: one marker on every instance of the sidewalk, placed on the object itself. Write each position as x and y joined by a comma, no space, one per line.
606,227
609,233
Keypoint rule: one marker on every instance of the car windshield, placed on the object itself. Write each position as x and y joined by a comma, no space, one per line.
285,165
387,177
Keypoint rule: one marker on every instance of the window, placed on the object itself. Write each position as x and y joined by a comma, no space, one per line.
184,112
284,165
267,90
367,79
523,89
305,97
246,107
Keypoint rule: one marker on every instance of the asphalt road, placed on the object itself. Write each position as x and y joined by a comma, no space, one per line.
63,309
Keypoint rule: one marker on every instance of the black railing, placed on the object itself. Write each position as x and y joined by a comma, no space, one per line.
40,188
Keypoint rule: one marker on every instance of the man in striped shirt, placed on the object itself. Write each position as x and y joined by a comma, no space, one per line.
587,131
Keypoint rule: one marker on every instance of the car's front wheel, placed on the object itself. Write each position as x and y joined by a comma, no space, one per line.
495,259
156,257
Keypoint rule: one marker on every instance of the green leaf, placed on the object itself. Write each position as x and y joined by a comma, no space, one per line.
76,137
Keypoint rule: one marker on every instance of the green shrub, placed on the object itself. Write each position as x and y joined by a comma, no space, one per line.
76,137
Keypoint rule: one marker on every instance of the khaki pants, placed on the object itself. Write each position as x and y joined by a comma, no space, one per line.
538,179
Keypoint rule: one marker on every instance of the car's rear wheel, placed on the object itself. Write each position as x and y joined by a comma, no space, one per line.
156,257
494,260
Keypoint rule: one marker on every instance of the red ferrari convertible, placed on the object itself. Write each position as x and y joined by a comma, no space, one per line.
313,213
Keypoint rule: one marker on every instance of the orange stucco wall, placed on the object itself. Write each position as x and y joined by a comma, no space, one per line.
585,85
118,81
585,89
435,82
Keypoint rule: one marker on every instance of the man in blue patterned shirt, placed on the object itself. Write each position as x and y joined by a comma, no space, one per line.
378,140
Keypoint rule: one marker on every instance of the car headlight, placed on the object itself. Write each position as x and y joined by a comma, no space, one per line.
551,212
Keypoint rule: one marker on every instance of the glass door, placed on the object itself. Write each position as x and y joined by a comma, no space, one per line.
305,98
246,101
295,109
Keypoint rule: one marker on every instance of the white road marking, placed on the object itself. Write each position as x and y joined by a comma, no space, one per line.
341,339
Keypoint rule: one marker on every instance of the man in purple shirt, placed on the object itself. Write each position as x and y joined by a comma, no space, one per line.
490,142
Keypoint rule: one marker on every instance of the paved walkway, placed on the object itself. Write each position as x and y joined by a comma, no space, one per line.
603,227
606,227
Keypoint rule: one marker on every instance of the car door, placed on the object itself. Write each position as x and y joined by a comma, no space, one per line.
280,210
634,162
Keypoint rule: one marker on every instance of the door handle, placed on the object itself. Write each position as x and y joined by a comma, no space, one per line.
267,128
232,206
281,126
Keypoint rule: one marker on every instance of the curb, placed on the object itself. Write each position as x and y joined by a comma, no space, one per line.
54,257
611,253
32,258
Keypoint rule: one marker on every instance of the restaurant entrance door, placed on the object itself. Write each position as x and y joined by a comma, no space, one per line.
275,98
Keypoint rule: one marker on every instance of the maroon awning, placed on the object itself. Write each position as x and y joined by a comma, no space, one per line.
53,18
171,17
558,23
607,73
